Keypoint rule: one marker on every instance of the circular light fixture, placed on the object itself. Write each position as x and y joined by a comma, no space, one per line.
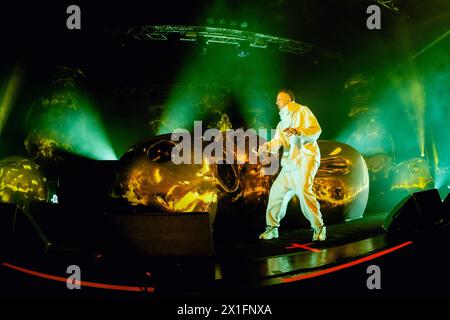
243,50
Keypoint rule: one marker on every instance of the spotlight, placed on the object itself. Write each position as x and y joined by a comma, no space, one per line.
243,50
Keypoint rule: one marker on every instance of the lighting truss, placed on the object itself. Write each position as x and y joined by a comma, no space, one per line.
224,36
390,4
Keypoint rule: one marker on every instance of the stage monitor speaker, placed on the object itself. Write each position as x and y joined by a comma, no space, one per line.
417,214
161,234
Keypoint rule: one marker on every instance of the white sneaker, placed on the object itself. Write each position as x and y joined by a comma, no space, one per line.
270,233
320,234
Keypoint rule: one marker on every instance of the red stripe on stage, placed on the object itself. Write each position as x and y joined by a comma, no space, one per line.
82,283
303,246
345,265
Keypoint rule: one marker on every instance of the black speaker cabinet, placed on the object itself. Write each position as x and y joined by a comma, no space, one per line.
160,234
418,213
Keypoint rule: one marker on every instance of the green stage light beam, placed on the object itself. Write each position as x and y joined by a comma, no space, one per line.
87,135
221,65
74,127
9,96
426,48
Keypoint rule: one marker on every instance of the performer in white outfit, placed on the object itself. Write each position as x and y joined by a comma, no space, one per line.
297,133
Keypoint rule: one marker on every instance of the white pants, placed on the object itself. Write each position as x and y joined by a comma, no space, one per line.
297,181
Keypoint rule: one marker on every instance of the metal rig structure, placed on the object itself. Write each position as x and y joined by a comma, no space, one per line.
390,4
224,36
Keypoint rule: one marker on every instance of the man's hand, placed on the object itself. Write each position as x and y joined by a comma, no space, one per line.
261,149
290,131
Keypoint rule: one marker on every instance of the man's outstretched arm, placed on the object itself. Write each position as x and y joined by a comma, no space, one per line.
307,126
274,144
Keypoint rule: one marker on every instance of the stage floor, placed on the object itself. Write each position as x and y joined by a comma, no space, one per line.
248,246
241,263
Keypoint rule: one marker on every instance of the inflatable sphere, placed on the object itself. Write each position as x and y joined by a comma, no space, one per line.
148,177
21,181
341,185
